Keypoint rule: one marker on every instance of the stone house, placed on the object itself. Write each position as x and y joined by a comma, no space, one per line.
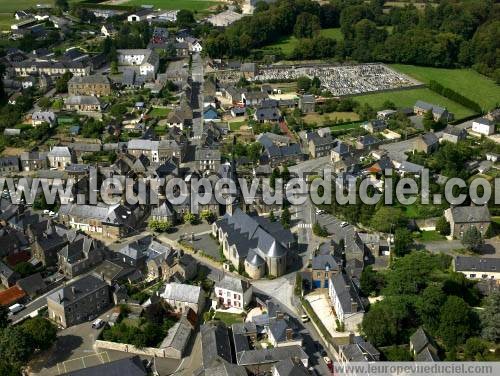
461,218
96,85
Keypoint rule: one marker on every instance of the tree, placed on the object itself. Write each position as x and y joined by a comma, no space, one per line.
44,103
306,26
4,317
62,82
443,226
428,120
24,269
303,83
208,216
62,5
402,241
42,332
286,218
456,322
114,67
428,306
475,349
118,110
490,318
275,174
185,18
272,217
386,320
190,218
160,225
319,230
388,217
15,345
371,281
472,239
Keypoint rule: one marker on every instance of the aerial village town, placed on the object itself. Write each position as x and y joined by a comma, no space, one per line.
148,91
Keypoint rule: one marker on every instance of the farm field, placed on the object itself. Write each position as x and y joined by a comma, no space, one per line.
194,5
467,82
287,44
407,98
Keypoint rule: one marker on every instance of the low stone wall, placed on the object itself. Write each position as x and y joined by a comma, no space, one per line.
168,352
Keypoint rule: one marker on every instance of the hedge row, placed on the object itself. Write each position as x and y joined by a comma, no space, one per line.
454,96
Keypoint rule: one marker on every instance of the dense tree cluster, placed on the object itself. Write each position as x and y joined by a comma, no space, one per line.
449,34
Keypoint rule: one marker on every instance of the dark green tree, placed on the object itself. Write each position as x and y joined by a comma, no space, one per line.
472,239
402,241
443,226
456,322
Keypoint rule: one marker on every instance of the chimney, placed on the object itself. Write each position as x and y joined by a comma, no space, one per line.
354,306
289,334
279,314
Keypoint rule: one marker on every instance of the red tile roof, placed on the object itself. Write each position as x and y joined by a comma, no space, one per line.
11,296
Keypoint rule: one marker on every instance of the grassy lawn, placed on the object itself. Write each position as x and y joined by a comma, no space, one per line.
429,236
288,43
345,127
228,318
159,112
467,82
175,4
320,119
236,125
407,98
334,33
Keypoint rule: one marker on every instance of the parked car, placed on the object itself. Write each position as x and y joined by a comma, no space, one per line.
344,224
304,318
15,308
98,324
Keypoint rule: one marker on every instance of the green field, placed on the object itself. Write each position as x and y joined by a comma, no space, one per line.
159,112
407,98
467,82
194,5
288,43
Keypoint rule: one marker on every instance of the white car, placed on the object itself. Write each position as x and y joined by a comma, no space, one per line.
98,324
46,211
304,318
15,308
344,224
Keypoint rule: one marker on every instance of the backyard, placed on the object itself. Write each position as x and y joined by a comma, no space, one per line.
407,98
485,93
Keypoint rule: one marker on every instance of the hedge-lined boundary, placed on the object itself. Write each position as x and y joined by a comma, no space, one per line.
454,96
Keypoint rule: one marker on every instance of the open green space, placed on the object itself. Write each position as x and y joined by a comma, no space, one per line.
467,82
407,98
288,43
429,236
228,318
194,5
159,112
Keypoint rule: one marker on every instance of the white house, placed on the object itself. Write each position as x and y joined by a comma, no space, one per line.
345,301
181,297
40,117
483,126
194,44
107,30
141,15
59,157
231,292
169,16
146,60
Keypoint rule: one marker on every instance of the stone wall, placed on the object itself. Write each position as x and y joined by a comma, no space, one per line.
168,352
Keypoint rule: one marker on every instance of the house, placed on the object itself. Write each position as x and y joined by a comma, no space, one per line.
108,30
178,337
41,117
9,164
427,143
339,152
11,296
78,301
47,243
493,157
307,103
238,111
132,366
289,367
210,114
422,347
33,161
96,85
60,156
267,114
320,142
8,277
224,18
478,268
249,70
163,212
386,114
262,360
345,301
461,218
174,266
454,134
232,292
367,142
52,67
375,126
182,297
483,126
439,113
215,346
147,61
134,254
140,15
207,159
253,98
359,351
254,243
194,44
112,221
83,103
79,256
32,285
323,268
169,16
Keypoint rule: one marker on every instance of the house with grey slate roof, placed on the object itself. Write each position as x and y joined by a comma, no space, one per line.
232,292
478,268
78,301
254,243
215,346
359,351
181,297
439,113
79,256
345,301
422,347
461,218
289,367
60,157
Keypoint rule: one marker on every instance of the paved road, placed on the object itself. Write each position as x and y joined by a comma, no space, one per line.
197,104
